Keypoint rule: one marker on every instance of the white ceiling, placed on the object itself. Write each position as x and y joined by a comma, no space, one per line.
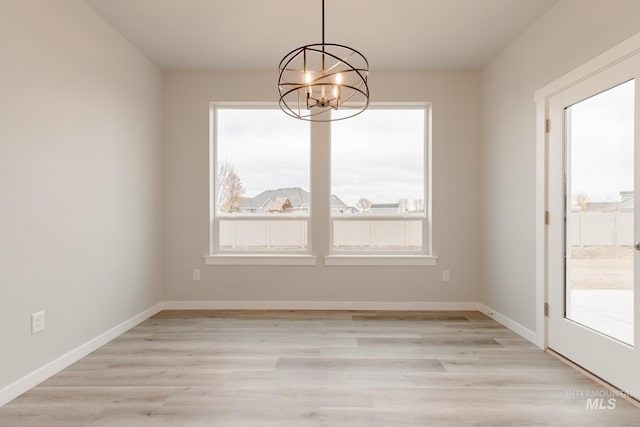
256,34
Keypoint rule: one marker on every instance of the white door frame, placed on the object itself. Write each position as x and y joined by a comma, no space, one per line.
613,56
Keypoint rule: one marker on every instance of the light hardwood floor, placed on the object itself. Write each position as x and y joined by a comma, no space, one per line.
317,368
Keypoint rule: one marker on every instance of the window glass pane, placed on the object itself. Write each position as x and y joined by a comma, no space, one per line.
377,162
263,163
263,234
378,170
262,176
600,204
377,235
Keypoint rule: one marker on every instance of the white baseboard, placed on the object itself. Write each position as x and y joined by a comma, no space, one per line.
31,380
525,333
318,305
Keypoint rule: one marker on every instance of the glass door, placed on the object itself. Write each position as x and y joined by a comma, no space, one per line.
593,234
599,199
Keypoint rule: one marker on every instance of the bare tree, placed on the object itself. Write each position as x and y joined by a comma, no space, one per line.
229,189
364,205
582,200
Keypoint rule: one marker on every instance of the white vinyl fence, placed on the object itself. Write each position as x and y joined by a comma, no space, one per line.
292,234
601,229
378,234
586,229
263,234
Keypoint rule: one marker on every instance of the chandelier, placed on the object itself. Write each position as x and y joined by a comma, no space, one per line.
317,78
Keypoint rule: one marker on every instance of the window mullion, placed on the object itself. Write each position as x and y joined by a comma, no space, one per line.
427,227
320,187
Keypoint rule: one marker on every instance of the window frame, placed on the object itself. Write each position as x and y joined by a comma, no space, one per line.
424,218
216,217
321,246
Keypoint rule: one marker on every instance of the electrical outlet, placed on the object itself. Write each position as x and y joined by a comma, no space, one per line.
446,275
196,274
37,322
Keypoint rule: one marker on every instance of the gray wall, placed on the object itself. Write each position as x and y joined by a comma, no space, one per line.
455,98
80,181
569,34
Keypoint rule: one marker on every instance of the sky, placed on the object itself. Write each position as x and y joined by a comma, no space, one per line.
378,155
602,144
267,148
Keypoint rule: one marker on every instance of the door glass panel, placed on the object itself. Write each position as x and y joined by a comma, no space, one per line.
600,200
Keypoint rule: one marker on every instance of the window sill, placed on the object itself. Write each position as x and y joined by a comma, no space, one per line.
381,260
253,259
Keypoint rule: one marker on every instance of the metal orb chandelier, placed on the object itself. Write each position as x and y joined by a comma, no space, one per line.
317,78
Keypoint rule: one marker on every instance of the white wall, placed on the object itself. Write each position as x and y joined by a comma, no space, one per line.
455,97
569,34
80,180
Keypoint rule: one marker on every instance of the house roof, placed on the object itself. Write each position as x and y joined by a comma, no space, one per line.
281,204
337,202
297,196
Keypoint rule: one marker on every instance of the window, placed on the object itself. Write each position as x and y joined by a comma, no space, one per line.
261,181
378,181
376,202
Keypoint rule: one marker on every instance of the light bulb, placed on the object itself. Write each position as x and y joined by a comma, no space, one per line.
337,90
307,79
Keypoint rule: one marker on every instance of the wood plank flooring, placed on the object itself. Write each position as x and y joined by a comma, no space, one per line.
317,368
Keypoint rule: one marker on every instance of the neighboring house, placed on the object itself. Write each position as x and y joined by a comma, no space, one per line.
288,200
624,205
280,205
338,206
385,208
626,201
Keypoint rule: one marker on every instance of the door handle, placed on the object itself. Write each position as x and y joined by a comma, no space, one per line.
637,246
